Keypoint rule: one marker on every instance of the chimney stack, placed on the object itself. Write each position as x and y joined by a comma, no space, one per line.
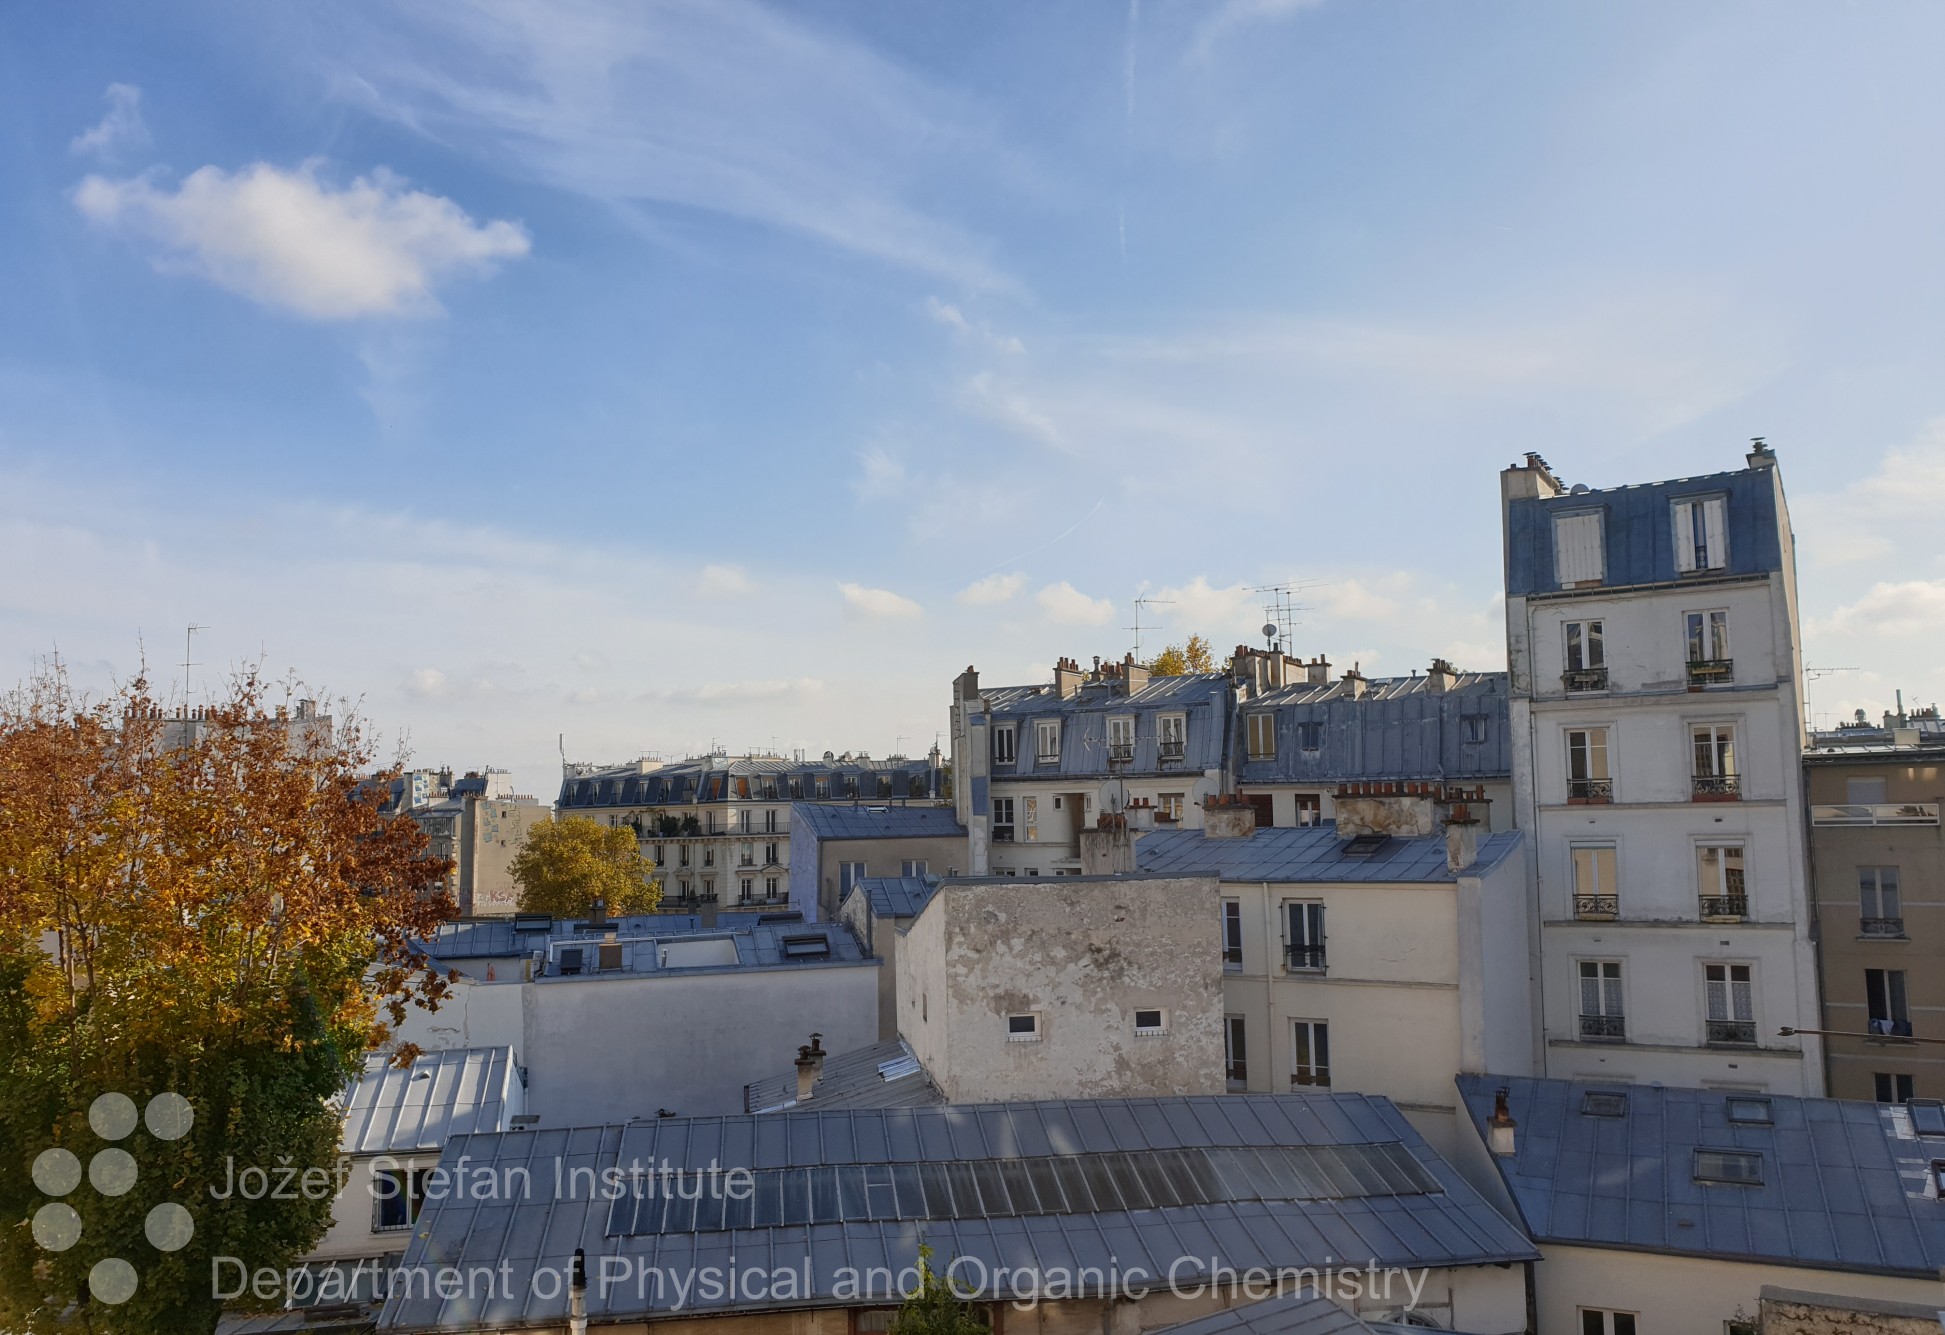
1067,678
1319,671
1134,676
806,1073
577,1294
817,1053
1441,676
1354,683
1760,455
1501,1128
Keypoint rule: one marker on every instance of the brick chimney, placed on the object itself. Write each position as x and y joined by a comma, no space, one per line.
806,1073
1067,678
1441,676
1227,818
1318,671
966,685
1501,1129
1134,676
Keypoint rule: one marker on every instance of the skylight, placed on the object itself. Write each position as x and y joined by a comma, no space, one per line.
1749,1111
1603,1103
1733,1167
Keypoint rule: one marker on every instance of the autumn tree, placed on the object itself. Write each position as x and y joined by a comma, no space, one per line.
1180,660
213,910
568,864
935,1307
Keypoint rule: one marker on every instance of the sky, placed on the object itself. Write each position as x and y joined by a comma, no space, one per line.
604,378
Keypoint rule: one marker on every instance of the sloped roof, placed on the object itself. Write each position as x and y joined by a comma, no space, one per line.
476,938
1438,1220
868,821
1314,853
883,1075
896,896
1842,1183
453,1092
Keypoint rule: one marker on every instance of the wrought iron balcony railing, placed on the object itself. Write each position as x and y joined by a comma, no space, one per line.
1716,787
1881,926
1741,1032
1710,671
1603,1026
1590,790
1725,906
1304,957
1597,906
1584,679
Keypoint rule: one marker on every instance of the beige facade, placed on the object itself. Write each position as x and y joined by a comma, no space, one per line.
1081,987
1877,865
841,863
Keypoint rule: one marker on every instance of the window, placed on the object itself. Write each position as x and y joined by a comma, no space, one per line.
399,1195
1023,1028
848,875
1600,1000
1884,1000
1310,736
1587,777
1866,792
1121,740
1596,1321
1310,809
709,888
1748,1110
1579,556
708,855
746,889
1737,1168
912,867
1046,741
1881,911
1172,730
1169,805
823,788
770,822
796,785
1304,944
683,853
1708,648
1586,657
1235,1052
746,855
1232,934
682,889
1150,1024
1731,1003
769,887
1719,881
1603,1103
1310,1053
1473,728
743,822
1005,743
1594,892
1262,735
1892,1086
1701,535
1003,820
770,855
1713,749
1928,1118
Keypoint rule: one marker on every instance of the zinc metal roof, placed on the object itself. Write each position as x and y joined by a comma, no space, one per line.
476,938
882,1075
1309,853
896,896
868,821
454,1092
1842,1183
1399,728
1449,1226
1204,698
748,778
1291,1314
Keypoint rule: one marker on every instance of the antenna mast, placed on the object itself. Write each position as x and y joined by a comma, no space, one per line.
188,641
1280,609
1140,603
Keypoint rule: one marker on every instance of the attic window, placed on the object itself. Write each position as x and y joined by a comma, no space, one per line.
805,947
1730,1167
1746,1111
1927,1116
1364,845
1149,1024
1601,1103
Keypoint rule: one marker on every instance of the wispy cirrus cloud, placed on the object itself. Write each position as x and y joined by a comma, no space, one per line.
121,128
293,241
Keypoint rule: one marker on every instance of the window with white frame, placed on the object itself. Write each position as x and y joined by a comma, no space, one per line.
1310,809
1151,1022
1601,1015
1121,739
1731,994
1172,734
1303,940
1046,741
1707,636
1579,554
1169,805
848,875
769,887
1310,1053
1586,648
1701,534
1587,773
1721,880
1595,895
1261,735
1712,751
398,1196
1003,819
913,867
1235,1052
770,820
1023,1027
1885,1003
1232,934
1005,743
746,889
1892,1086
1880,907
1602,1321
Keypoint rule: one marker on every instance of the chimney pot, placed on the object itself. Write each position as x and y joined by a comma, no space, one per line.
1501,1129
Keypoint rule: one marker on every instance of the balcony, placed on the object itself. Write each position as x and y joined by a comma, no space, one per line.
1725,908
1710,672
1888,929
1590,792
1606,1028
1303,957
1002,834
1738,1033
1887,1031
1901,813
1716,788
1584,679
1171,752
1121,753
1600,908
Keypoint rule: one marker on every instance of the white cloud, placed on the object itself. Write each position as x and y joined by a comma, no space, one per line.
426,683
880,474
1907,608
1889,512
992,589
1064,603
1218,615
724,582
996,402
955,319
121,128
730,693
878,603
290,239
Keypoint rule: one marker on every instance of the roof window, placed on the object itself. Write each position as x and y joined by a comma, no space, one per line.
1739,1168
1603,1103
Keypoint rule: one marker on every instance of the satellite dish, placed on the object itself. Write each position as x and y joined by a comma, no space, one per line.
1205,788
1269,630
1113,796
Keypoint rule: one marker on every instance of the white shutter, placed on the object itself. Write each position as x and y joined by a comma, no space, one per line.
1577,553
1684,536
1715,528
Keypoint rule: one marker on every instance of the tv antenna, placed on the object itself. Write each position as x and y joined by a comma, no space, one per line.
1280,608
1140,603
188,641
1811,674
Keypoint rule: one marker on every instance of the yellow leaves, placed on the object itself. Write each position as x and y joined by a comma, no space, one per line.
1179,660
567,864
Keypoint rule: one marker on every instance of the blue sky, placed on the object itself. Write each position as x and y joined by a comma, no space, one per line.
647,376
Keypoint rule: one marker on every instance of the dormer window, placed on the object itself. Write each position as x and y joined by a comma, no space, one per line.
1701,534
1046,741
1262,735
1121,740
1579,553
1005,743
1172,732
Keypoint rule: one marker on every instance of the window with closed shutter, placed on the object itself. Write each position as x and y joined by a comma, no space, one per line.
1578,554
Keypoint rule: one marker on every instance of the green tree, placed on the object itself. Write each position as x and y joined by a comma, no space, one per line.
217,911
935,1309
1179,660
568,864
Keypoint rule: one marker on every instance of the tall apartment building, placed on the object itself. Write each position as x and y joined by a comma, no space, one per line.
1651,636
476,822
1877,868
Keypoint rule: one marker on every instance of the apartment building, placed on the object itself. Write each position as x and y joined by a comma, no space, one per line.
1655,678
834,846
718,827
477,823
1877,872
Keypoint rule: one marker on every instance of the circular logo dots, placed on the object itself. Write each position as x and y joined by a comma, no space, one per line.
169,1227
112,1116
168,1116
56,1226
112,1172
112,1281
57,1172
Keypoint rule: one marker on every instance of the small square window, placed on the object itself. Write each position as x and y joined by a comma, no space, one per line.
1748,1111
1603,1103
1150,1024
1023,1028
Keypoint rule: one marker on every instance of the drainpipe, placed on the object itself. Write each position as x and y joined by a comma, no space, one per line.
577,1295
